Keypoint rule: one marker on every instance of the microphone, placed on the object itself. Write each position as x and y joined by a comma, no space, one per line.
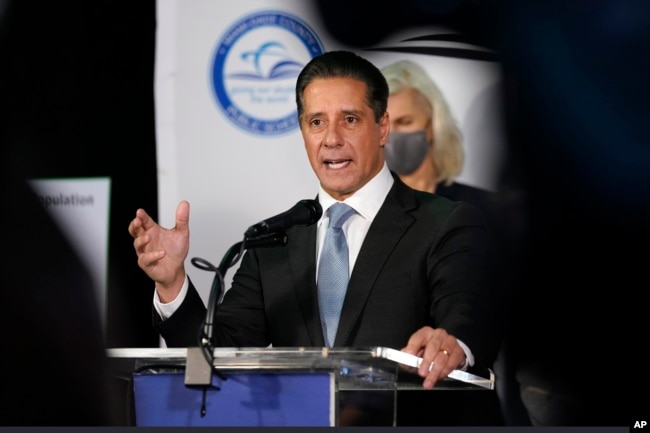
305,212
268,240
267,233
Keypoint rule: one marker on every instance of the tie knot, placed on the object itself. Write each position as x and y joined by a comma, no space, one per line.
339,213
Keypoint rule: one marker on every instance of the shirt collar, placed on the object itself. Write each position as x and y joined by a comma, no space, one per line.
368,199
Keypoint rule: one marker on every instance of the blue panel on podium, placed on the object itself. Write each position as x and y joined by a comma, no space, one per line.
244,399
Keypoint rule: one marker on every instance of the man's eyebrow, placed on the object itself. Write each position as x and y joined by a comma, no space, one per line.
352,111
345,112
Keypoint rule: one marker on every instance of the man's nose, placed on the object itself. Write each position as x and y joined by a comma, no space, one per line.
332,136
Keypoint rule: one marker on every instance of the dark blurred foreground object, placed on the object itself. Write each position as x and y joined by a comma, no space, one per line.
53,358
577,115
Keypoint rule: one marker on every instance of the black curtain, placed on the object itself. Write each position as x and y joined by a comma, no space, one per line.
77,101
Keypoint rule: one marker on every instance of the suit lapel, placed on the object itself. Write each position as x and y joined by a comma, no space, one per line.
389,225
302,258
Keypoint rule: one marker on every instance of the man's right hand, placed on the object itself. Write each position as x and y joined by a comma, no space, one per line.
162,252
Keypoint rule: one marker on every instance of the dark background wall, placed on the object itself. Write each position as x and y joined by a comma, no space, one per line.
77,100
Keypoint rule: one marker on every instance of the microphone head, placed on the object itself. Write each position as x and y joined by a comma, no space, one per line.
305,212
315,211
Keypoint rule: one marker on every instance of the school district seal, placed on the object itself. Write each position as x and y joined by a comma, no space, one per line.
255,67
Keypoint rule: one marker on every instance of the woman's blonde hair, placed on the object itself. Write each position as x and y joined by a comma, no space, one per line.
448,156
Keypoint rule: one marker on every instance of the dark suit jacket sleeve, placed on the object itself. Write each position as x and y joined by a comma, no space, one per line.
423,263
461,301
183,327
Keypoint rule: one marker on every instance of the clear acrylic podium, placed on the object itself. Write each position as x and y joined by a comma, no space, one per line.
287,387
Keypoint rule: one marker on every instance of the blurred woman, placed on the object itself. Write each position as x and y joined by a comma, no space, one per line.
425,144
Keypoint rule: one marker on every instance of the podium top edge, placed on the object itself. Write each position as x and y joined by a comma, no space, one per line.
361,360
146,352
162,352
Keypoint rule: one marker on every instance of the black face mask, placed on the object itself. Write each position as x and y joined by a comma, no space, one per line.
405,151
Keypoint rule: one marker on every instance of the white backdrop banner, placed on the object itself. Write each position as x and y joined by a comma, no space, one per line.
81,208
227,134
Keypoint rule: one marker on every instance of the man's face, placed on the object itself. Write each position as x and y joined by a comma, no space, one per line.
342,139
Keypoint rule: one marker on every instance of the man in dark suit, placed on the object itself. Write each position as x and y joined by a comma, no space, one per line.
419,262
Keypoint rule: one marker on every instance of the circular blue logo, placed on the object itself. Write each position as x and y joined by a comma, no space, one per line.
255,67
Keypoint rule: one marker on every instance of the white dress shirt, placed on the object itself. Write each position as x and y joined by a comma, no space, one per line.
366,202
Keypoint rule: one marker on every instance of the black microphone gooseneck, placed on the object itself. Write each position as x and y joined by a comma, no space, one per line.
267,233
231,257
200,367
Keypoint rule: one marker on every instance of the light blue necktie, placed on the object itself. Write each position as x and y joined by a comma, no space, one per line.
333,271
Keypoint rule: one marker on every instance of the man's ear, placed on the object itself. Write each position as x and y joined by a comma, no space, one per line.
384,127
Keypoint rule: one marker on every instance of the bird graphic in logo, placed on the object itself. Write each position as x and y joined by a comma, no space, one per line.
270,61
